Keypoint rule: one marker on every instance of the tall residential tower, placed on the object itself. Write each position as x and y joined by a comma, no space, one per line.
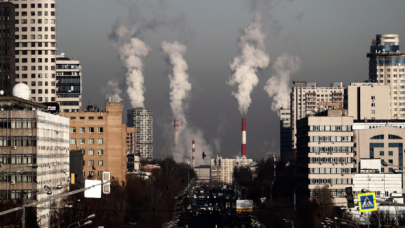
35,42
7,47
142,120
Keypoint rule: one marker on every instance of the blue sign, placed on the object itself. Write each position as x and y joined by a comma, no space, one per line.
367,202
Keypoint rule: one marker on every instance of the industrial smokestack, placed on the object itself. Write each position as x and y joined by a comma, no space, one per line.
175,132
193,153
244,137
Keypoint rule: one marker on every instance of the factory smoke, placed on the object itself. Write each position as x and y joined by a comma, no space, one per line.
252,58
112,91
179,84
278,85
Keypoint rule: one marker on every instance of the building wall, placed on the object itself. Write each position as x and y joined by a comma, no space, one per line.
369,101
366,147
113,137
285,133
227,165
324,155
142,120
306,98
36,50
7,47
68,83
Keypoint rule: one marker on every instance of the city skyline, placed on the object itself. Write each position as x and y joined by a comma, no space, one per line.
331,49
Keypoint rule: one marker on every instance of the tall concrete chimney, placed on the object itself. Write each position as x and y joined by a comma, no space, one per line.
244,137
193,153
175,132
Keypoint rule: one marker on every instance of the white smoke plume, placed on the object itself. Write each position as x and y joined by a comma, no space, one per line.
112,91
278,85
179,84
252,58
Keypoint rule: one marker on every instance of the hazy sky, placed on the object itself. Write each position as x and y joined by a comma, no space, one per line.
330,37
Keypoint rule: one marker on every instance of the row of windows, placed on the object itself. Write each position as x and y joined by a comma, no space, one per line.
82,130
333,193
25,68
46,83
90,117
330,170
18,159
389,137
32,37
17,194
330,128
331,181
33,44
25,13
99,152
390,153
82,141
46,92
39,5
20,141
372,145
45,99
69,103
17,123
330,160
388,76
330,138
40,75
395,70
26,177
99,162
91,173
330,149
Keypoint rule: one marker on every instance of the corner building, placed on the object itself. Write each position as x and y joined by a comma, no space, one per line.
35,47
102,136
325,154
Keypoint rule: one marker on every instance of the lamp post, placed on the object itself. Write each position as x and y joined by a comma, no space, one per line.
86,223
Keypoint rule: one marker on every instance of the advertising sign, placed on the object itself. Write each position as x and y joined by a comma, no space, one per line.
244,205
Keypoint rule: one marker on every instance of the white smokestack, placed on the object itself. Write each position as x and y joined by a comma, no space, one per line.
245,66
278,85
179,84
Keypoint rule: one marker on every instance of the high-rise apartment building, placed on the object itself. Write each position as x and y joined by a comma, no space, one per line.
387,67
142,120
35,47
368,101
7,47
307,99
102,136
285,133
34,153
224,167
68,83
325,154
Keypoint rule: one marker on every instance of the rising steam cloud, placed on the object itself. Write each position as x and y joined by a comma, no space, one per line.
179,84
244,67
278,85
112,91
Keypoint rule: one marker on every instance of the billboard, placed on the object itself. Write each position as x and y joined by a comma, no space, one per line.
244,205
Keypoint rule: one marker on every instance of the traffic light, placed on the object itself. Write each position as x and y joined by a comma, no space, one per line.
349,197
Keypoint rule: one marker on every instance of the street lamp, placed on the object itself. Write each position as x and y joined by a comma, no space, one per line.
86,223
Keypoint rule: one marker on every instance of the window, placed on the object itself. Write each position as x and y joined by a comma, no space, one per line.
81,141
372,104
100,152
72,130
91,173
100,141
390,170
372,111
377,137
81,130
381,153
100,173
390,153
390,161
100,162
91,129
91,152
72,141
91,162
91,141
382,170
100,130
373,98
394,136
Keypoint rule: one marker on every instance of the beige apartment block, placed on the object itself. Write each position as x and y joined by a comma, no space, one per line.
369,101
307,99
224,167
382,140
325,154
102,135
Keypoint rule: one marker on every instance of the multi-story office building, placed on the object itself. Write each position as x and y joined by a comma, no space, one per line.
325,154
285,133
7,47
102,136
226,166
35,44
68,83
381,139
38,143
387,67
142,120
368,101
307,99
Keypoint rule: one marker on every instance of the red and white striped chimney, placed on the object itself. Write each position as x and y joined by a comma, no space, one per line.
175,133
244,137
193,153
